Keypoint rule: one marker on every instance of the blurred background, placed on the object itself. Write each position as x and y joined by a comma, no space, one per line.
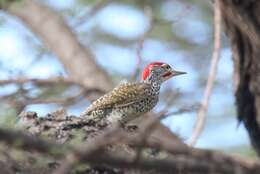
124,35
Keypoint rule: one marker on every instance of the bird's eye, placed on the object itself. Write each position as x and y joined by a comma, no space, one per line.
168,67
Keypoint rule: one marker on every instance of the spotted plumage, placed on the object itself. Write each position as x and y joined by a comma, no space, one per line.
130,100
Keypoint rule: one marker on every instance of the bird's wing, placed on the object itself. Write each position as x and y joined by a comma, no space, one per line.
123,95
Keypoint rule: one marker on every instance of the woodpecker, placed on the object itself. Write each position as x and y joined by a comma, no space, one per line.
130,100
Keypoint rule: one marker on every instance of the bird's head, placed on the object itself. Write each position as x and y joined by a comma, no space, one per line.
159,72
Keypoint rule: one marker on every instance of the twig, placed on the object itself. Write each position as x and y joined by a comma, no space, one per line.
95,9
201,118
182,110
84,92
49,81
64,101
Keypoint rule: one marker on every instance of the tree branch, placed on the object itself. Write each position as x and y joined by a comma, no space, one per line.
184,159
56,35
201,118
179,158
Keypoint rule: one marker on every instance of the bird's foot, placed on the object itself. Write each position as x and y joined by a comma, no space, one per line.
131,128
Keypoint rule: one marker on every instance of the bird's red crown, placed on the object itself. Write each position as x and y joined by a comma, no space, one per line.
148,68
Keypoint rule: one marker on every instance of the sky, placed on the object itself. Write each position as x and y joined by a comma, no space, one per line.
128,23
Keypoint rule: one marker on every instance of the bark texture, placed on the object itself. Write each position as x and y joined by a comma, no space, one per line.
114,150
243,28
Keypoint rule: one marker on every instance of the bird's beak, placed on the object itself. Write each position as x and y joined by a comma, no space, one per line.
176,73
172,73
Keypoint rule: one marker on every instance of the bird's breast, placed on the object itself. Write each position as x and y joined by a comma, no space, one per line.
133,111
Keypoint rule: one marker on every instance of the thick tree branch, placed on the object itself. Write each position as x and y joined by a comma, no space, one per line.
188,160
56,35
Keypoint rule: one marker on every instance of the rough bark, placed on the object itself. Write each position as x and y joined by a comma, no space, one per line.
243,29
111,151
53,31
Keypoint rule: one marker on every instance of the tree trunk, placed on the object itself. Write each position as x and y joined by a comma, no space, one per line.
243,29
